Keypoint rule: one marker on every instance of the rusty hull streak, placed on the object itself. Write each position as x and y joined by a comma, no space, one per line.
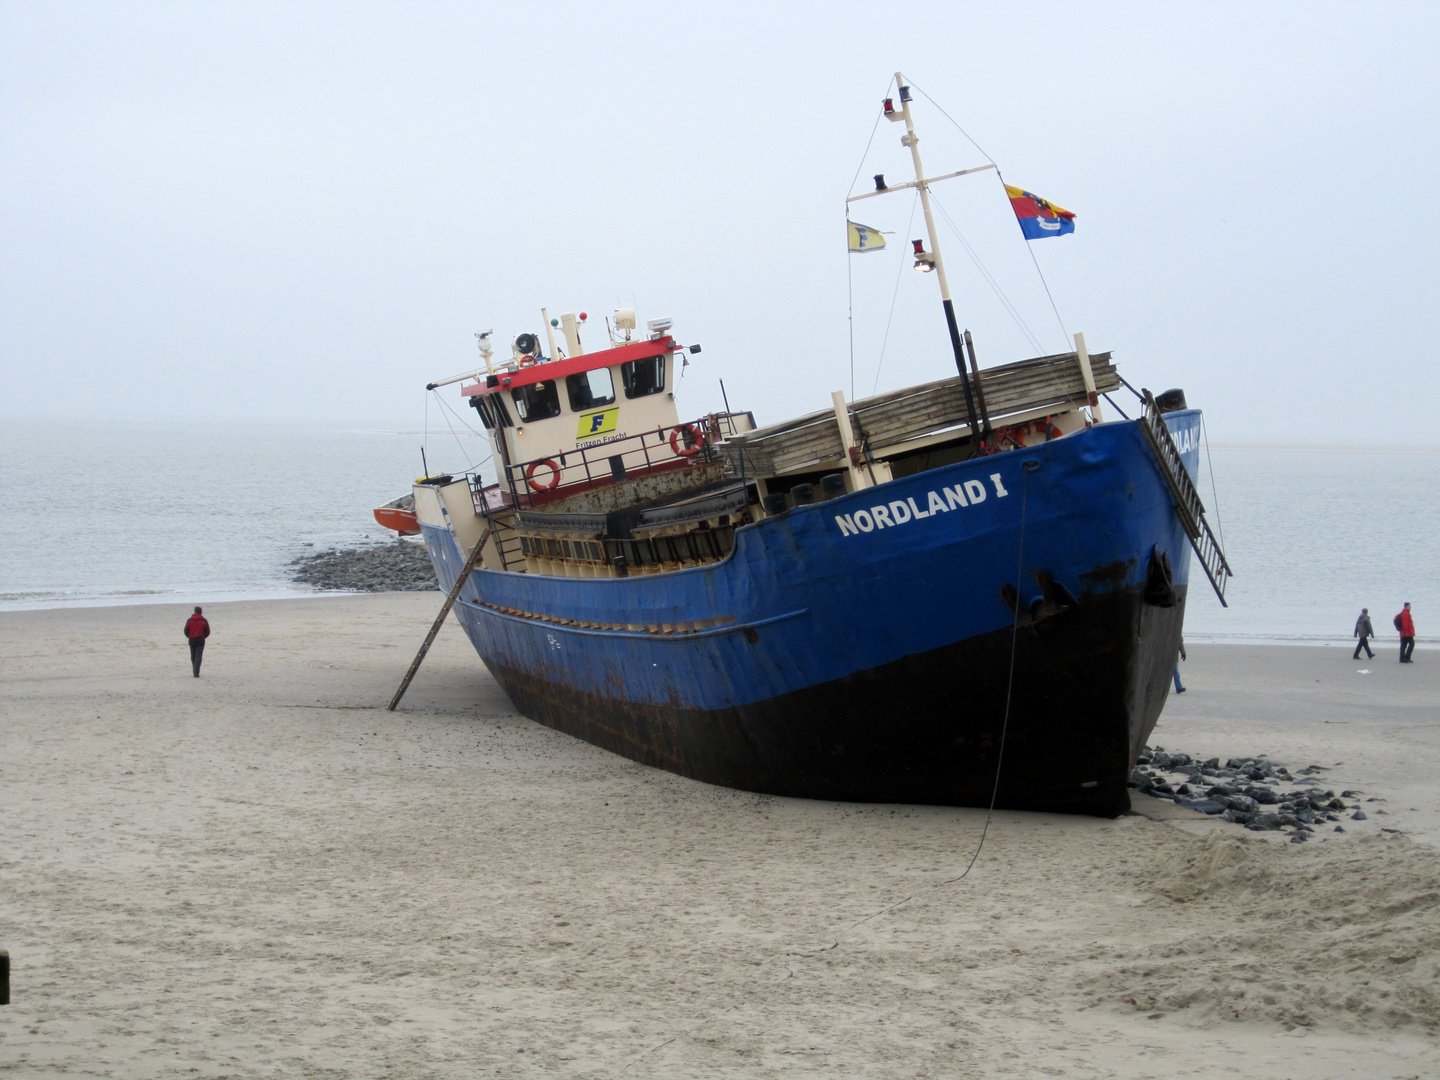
1107,576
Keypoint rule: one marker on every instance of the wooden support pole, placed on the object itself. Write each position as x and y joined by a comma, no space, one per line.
470,564
848,446
4,976
1089,376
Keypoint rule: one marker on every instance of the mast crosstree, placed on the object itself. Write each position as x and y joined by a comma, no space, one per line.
928,260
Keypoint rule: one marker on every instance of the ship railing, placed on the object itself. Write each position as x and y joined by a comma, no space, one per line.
544,479
1188,507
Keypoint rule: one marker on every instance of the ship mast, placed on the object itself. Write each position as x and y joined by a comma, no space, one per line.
929,260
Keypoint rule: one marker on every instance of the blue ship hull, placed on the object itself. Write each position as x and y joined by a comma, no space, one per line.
861,648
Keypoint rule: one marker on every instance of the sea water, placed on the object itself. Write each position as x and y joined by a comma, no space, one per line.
1315,534
105,513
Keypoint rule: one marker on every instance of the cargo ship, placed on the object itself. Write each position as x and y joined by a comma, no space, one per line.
966,592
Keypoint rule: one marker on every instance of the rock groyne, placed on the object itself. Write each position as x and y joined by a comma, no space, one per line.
402,566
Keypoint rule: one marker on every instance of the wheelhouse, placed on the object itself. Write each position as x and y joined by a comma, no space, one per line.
543,409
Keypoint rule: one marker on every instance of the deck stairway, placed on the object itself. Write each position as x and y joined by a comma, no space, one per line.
1013,393
1188,507
505,538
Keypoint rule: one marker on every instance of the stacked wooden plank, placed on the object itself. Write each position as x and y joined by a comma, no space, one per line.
811,441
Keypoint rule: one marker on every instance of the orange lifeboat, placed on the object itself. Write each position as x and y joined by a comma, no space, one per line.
399,516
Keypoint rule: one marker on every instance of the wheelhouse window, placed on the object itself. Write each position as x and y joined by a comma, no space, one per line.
590,389
642,377
538,401
481,406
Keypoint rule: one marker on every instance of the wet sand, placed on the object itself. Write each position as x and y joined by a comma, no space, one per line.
262,873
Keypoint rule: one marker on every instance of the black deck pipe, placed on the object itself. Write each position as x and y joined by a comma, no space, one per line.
964,378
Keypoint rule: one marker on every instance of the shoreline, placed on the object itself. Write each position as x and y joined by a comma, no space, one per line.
390,565
300,593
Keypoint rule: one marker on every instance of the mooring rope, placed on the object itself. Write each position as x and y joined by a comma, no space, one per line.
1214,494
1026,468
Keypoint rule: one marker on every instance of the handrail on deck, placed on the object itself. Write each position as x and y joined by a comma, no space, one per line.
697,441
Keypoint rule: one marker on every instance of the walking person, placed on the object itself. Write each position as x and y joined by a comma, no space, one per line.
1178,688
197,629
1364,630
1406,625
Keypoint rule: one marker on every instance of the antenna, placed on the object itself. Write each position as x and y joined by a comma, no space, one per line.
482,338
549,331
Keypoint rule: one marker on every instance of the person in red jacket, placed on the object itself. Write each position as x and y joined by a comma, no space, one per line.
197,629
1407,635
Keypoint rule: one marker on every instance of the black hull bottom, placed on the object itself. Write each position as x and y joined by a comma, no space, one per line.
1088,688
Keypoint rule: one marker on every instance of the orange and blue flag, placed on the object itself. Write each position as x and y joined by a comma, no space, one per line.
1039,217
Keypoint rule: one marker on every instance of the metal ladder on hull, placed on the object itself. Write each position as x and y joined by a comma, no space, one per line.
506,541
1188,507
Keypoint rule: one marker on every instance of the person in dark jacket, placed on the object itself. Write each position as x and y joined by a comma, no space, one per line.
1407,634
197,629
1364,630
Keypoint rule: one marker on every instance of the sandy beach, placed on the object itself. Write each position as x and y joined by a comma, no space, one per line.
262,873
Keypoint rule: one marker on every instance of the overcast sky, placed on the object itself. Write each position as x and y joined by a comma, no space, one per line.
250,210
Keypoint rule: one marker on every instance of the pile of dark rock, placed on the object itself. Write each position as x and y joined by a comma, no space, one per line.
402,566
1257,793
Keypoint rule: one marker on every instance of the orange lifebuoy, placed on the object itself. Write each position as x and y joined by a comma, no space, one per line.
694,432
1046,428
554,479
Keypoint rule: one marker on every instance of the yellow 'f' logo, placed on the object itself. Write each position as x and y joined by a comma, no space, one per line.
597,423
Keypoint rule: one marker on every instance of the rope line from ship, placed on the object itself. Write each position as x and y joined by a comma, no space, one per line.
984,271
989,278
1027,468
1214,494
932,101
1010,308
871,141
850,263
974,257
1028,247
464,454
894,296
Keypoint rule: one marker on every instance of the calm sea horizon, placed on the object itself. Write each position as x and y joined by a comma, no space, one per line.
135,512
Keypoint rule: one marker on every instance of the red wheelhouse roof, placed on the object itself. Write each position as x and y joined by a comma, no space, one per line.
558,369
